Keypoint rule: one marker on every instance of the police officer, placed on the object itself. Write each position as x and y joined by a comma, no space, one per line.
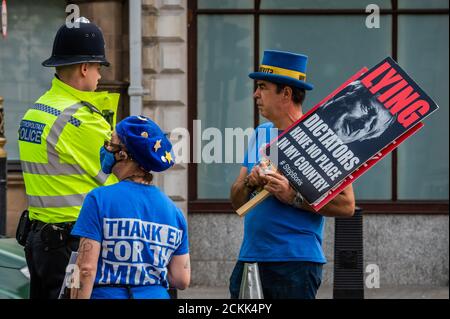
60,137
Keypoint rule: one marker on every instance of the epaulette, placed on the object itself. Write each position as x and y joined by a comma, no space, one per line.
91,107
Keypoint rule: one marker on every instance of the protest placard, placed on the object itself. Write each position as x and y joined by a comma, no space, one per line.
348,132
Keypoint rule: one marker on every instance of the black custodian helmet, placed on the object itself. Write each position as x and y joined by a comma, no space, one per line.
75,45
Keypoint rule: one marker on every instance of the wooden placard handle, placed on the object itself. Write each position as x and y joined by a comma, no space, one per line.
244,209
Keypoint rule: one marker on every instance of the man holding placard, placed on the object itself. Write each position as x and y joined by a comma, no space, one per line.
282,234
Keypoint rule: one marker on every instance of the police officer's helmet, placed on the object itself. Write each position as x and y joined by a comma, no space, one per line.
78,45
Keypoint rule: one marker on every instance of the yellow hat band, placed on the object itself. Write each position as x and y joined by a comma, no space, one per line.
280,71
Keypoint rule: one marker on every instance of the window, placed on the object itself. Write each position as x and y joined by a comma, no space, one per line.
227,40
423,166
31,28
224,100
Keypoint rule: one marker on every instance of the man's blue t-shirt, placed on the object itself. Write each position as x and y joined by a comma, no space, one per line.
274,231
139,229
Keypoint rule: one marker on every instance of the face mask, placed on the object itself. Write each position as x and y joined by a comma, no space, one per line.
107,160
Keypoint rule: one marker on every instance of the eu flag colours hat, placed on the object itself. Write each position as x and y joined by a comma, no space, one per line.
146,143
284,68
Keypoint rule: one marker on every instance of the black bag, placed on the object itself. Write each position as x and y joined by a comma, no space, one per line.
23,228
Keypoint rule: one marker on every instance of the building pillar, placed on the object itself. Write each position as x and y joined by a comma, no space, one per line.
164,59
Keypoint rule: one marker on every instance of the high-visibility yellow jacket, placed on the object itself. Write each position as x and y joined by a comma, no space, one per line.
60,138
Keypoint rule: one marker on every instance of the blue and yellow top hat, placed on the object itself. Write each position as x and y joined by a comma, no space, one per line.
146,142
284,68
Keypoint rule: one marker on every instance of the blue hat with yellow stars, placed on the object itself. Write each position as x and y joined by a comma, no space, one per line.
146,143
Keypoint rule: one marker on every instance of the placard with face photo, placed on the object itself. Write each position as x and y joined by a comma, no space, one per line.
350,130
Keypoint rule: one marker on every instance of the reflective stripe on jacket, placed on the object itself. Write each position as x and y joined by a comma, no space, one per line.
59,143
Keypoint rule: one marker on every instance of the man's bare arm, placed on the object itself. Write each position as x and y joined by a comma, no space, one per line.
239,192
343,205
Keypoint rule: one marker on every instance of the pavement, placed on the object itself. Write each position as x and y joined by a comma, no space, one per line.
326,292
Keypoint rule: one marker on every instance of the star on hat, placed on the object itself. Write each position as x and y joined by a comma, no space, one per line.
169,157
157,145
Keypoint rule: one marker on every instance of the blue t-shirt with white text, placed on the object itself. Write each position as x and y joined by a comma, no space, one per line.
139,229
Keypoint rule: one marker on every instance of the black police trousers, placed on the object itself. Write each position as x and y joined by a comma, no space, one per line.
47,259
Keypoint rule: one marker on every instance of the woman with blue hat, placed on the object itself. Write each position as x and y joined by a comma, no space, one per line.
134,241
